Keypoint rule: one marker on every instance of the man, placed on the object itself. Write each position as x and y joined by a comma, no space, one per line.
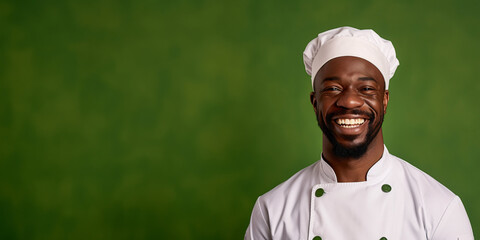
357,190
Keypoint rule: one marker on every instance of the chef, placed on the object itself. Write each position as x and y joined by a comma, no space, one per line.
357,190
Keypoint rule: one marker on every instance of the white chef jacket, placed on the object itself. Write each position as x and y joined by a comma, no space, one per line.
396,202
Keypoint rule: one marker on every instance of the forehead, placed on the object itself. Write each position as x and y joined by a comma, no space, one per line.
347,66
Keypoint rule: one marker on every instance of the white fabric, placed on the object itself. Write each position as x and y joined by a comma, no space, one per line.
348,41
417,207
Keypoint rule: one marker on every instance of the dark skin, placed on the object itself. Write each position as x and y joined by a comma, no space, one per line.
350,100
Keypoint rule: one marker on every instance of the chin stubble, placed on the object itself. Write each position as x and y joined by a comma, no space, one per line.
351,152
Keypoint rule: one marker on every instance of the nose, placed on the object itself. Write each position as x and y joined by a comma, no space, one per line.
349,99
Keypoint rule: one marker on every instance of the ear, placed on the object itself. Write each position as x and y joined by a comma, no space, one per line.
314,101
386,97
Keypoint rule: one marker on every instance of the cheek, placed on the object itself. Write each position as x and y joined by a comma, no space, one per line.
322,109
325,104
376,105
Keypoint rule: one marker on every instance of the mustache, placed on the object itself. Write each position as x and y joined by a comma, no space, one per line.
331,115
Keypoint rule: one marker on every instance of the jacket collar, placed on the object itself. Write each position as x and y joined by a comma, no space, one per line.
376,173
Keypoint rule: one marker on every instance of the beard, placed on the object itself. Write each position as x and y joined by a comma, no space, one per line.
356,151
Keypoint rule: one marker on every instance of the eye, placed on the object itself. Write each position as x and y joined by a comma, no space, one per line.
331,89
367,89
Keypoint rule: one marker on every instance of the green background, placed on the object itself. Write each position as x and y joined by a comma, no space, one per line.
167,119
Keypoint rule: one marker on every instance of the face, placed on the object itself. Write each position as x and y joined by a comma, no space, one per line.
350,102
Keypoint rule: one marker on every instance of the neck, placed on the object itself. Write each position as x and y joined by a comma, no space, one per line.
349,169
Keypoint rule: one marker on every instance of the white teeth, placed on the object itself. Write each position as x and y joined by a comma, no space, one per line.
350,123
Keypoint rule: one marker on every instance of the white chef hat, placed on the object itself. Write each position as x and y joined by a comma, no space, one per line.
348,41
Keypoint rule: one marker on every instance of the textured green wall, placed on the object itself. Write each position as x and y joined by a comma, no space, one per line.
167,119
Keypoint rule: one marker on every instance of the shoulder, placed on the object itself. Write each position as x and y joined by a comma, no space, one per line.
292,197
286,208
425,185
296,185
434,202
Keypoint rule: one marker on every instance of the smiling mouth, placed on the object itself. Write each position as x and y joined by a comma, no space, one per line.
350,122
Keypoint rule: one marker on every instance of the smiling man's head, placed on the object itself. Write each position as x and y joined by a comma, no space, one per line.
350,71
350,101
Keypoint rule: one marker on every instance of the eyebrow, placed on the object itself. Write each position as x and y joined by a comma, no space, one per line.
367,79
360,78
331,79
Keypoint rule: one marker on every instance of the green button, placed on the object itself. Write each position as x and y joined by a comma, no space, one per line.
386,188
319,193
317,238
383,238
